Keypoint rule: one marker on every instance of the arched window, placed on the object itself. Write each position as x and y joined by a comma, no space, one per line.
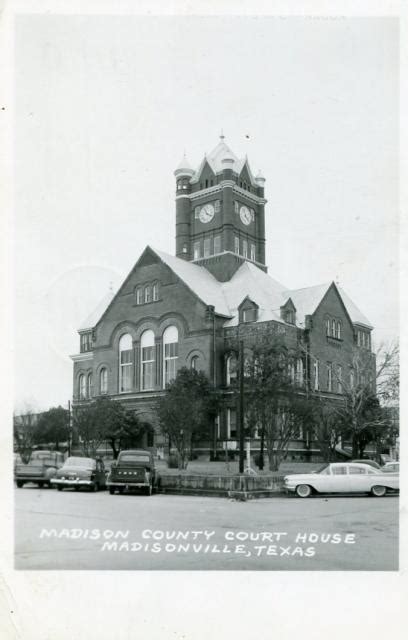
103,380
125,363
292,371
194,363
231,369
89,385
339,330
147,347
170,345
316,374
139,295
147,293
328,327
333,328
299,372
82,387
155,290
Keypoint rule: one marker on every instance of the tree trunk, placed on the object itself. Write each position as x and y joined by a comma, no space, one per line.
355,445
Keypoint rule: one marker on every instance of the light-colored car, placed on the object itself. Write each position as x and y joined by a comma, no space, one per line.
391,467
41,468
342,477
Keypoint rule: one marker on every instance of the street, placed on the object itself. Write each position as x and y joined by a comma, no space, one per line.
83,530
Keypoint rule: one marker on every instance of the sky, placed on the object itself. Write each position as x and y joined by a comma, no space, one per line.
105,107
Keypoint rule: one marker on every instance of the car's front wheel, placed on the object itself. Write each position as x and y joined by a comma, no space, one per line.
111,490
59,487
19,484
378,491
303,490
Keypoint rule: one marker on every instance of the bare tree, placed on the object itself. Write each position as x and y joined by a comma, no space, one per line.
26,433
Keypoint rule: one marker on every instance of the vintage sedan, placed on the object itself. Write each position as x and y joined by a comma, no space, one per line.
391,467
80,472
41,467
341,477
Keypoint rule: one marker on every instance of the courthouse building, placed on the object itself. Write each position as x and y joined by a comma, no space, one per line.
187,310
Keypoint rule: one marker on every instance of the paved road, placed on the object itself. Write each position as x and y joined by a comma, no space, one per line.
81,530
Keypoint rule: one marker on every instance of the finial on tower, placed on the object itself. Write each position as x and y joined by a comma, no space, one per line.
222,134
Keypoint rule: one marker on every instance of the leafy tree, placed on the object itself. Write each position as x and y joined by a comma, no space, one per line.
26,433
53,426
328,427
186,410
272,396
107,420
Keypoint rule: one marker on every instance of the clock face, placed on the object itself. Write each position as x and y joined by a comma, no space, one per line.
245,215
206,213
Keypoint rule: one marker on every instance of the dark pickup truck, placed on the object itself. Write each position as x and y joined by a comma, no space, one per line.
134,469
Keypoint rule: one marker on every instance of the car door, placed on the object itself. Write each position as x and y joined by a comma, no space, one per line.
100,473
359,480
338,481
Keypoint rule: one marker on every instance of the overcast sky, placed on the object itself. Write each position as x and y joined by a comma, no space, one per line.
105,108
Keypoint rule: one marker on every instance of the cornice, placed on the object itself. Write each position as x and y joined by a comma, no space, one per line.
202,193
81,357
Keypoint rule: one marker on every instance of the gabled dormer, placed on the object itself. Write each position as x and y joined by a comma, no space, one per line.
248,310
288,312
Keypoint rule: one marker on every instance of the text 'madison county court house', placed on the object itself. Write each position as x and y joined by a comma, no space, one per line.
186,310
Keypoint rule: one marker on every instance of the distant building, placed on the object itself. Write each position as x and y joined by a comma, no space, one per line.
186,310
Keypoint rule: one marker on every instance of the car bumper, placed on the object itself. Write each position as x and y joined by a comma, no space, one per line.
31,479
112,483
72,483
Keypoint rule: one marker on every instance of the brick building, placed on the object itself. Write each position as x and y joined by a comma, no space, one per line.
185,310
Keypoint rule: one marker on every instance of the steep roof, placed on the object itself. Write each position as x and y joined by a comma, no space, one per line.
215,160
248,280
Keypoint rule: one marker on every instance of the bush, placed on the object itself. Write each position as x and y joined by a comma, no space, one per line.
173,461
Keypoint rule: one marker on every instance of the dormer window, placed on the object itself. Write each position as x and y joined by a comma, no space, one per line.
288,312
250,315
86,342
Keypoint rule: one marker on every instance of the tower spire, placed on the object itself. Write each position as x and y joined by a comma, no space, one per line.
222,134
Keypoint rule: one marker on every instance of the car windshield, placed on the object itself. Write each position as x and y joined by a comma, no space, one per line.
86,463
322,469
134,457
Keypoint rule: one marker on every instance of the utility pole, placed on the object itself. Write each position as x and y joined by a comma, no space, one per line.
69,428
241,407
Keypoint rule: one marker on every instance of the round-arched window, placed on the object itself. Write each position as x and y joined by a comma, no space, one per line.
103,381
89,385
170,346
148,350
82,387
125,363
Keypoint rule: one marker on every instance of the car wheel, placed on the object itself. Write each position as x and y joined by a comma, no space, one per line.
378,491
111,490
41,484
96,487
19,483
303,490
59,487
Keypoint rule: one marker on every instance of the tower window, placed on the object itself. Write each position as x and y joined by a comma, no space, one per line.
245,248
253,252
217,206
236,206
197,213
236,244
207,247
206,183
217,244
196,250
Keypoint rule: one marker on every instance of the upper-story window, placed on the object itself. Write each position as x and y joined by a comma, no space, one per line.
196,250
245,248
86,342
250,315
103,381
217,206
82,387
185,183
339,379
155,292
299,372
217,244
328,327
236,206
207,247
329,377
147,293
316,374
125,363
231,369
147,349
139,295
338,330
89,385
170,346
333,328
194,363
290,316
252,252
236,244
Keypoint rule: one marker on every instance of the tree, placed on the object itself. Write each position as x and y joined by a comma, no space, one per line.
106,420
26,433
272,396
328,427
53,426
186,410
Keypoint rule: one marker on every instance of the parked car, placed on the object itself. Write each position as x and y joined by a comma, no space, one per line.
41,468
134,469
80,472
372,463
391,467
342,477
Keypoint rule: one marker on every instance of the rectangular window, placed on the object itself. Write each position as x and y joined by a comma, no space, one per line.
217,244
236,206
339,379
329,377
217,206
245,248
231,424
148,368
236,244
126,369
170,361
207,247
197,212
249,315
252,252
316,375
196,250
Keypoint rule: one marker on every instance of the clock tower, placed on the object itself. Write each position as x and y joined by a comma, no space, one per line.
220,213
